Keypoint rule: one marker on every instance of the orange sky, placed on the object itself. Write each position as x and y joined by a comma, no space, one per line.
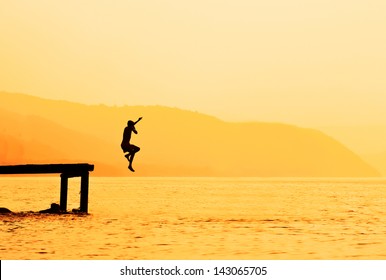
306,62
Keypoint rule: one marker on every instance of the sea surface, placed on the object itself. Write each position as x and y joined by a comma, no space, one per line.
196,218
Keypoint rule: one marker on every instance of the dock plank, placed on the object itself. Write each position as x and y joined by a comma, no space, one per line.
46,168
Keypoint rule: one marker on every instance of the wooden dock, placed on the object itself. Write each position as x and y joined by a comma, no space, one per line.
65,170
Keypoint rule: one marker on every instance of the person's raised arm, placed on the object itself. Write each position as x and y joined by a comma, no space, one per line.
140,118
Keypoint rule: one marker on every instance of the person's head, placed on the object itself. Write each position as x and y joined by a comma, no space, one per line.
130,123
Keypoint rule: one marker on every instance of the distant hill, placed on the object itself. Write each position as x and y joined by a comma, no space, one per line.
173,142
378,160
33,139
368,141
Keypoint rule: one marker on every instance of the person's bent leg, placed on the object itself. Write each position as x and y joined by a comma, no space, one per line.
133,150
131,162
136,149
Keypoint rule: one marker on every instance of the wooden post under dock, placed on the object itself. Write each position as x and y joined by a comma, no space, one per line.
65,170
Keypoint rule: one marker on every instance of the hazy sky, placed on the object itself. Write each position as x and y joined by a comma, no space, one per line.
299,61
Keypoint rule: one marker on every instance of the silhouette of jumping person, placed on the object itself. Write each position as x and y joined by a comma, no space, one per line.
126,146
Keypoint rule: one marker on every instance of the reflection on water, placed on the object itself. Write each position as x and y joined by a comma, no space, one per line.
197,218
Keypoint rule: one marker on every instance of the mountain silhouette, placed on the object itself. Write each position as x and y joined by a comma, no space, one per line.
173,142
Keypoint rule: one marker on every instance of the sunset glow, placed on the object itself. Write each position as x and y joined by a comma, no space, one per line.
309,63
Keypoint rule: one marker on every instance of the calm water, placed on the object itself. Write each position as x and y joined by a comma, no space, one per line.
196,218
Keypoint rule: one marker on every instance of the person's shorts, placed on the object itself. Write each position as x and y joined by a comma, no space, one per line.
130,148
126,148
